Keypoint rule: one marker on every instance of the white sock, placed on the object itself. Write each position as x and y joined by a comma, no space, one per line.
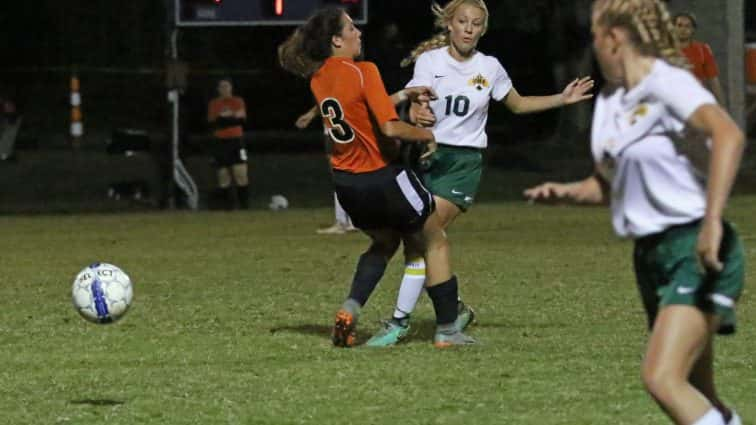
413,282
712,417
342,218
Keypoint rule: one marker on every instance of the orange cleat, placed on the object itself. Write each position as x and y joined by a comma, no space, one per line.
344,334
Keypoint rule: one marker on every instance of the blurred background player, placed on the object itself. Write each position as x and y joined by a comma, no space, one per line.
10,121
342,223
226,115
465,81
689,263
699,54
386,201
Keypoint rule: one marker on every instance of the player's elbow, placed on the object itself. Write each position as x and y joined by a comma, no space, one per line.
517,107
740,139
592,190
732,133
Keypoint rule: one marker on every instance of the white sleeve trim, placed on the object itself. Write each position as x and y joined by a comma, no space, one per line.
502,84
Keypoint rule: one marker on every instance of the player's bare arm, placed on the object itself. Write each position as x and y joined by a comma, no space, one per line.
241,113
413,94
592,190
304,120
407,132
727,147
577,90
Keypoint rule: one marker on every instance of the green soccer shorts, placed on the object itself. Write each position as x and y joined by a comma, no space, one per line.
453,173
668,273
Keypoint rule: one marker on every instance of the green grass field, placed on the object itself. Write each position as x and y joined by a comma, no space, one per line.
232,313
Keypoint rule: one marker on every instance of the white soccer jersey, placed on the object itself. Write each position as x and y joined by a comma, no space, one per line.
464,90
640,143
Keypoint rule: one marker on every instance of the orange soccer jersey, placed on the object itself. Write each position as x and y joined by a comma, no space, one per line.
353,102
701,58
217,107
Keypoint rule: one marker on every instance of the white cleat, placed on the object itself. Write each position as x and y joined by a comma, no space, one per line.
336,229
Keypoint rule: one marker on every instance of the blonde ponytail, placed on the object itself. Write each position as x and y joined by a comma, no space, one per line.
438,40
649,23
443,15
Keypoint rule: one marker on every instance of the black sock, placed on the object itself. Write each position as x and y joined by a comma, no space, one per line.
369,271
444,297
403,322
227,197
242,192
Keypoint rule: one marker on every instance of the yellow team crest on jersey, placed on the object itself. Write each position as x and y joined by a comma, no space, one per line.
479,81
639,112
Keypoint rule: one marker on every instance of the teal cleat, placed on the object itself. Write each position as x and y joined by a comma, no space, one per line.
465,316
392,332
451,337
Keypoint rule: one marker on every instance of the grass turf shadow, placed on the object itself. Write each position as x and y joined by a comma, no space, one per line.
97,402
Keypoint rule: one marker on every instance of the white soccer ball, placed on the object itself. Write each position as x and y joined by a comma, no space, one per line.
278,203
102,293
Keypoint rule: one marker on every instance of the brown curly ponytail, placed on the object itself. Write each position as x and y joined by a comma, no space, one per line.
310,44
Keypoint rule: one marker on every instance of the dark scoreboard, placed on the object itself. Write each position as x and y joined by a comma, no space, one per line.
259,12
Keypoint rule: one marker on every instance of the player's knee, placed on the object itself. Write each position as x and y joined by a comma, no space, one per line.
240,175
437,241
224,183
224,178
659,381
241,179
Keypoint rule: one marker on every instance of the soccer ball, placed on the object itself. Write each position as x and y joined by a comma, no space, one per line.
102,293
278,203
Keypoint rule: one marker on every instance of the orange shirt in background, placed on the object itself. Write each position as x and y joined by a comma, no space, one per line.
218,106
701,57
353,102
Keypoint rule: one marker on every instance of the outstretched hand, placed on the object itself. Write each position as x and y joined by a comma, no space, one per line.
546,192
578,90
